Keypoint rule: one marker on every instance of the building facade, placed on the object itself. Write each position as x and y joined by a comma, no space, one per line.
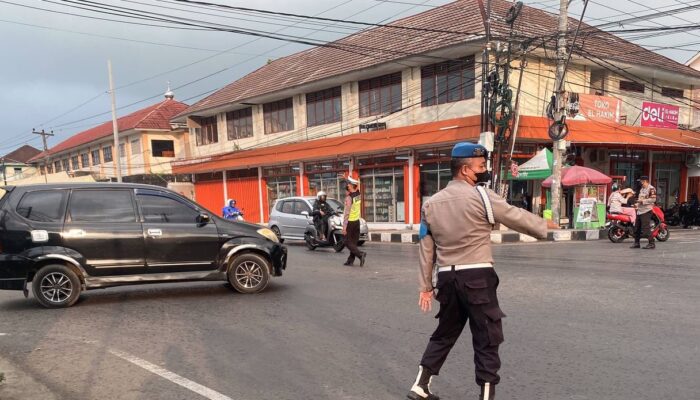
301,123
148,142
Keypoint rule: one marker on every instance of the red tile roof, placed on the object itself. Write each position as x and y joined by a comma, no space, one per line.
381,45
157,116
22,154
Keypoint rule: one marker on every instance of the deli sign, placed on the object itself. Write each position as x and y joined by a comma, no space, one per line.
657,115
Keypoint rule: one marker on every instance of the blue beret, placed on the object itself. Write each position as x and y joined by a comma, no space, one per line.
469,150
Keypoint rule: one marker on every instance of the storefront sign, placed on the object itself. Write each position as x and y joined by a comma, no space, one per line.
596,108
659,115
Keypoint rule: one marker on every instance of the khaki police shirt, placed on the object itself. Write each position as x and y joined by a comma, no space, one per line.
647,199
455,230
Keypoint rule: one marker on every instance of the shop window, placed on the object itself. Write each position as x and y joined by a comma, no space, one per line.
122,150
447,82
57,166
329,182
631,86
381,160
75,162
65,164
597,86
163,148
239,124
96,157
383,194
380,95
209,177
280,187
107,153
325,166
672,92
433,177
323,107
207,133
85,160
279,116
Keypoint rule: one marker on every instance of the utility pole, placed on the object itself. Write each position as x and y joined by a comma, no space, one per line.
116,157
46,152
559,107
4,174
485,87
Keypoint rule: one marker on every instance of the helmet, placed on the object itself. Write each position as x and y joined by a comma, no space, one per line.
320,194
615,187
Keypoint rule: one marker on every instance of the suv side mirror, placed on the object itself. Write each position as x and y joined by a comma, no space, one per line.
305,213
203,218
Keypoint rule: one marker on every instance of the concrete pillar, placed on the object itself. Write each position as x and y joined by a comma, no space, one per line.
223,181
411,195
260,195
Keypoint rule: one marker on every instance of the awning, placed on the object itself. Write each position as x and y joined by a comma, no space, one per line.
538,167
408,137
532,129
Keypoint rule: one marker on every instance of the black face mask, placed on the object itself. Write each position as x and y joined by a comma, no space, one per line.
483,177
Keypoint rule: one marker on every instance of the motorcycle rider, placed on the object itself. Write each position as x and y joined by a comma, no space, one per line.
645,203
230,211
321,212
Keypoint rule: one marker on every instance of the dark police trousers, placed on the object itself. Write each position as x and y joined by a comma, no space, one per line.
642,227
351,238
468,296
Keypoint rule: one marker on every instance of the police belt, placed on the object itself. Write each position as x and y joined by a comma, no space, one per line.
464,266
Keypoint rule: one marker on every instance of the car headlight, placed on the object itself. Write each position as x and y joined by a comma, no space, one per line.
267,233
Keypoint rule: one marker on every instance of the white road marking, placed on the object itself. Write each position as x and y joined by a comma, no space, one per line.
3,334
171,376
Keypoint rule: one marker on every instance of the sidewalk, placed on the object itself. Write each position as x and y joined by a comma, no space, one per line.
559,235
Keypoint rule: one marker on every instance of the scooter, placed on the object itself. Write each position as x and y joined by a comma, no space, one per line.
235,216
672,214
621,226
334,238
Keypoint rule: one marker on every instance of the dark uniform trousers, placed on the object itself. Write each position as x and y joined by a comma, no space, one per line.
351,239
642,227
468,296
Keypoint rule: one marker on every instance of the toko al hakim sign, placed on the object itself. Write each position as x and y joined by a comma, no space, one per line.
657,115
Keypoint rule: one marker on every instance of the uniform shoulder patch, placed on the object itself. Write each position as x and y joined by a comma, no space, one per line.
423,231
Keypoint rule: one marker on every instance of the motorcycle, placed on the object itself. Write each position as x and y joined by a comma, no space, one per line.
621,226
689,214
235,216
672,214
334,238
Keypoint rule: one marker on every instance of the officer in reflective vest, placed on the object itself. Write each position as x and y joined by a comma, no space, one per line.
455,239
351,222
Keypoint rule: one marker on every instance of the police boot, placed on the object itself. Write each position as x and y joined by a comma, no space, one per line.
651,244
488,392
421,388
635,245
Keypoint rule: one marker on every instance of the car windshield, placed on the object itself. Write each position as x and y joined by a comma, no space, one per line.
337,206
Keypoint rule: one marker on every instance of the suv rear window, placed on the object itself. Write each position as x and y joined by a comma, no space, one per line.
42,205
102,206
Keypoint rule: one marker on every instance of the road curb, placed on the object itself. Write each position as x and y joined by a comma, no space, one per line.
501,237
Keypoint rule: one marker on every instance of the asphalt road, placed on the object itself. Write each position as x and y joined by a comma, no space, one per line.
586,320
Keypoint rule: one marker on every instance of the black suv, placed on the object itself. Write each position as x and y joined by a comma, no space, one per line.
73,237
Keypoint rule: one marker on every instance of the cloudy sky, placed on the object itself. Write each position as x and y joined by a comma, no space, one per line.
53,73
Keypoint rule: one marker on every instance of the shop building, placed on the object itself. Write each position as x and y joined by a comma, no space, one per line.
301,123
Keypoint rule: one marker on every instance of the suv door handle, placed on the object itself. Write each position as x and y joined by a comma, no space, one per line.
155,232
73,233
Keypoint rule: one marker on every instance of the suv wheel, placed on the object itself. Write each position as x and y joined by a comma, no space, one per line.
249,273
277,232
56,286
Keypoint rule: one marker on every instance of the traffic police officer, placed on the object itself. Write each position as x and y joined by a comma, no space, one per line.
645,203
455,239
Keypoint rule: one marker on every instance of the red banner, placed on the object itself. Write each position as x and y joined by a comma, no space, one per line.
591,107
657,115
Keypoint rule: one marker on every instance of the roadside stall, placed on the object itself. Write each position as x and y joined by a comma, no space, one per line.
589,195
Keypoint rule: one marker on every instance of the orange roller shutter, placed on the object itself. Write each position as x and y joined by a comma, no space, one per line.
210,195
245,192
